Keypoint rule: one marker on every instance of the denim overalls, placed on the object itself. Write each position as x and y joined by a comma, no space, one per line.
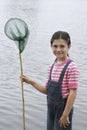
56,103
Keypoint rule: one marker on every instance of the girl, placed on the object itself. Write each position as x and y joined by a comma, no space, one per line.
61,85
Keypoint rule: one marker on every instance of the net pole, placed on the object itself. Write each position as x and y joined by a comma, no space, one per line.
23,103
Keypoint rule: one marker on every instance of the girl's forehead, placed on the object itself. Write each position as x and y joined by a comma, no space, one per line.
59,41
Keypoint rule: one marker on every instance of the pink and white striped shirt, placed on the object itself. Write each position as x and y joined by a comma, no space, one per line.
70,80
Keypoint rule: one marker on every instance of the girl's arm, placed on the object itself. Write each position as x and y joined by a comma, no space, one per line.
64,120
34,84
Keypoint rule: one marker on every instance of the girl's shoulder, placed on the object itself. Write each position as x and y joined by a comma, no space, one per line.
73,66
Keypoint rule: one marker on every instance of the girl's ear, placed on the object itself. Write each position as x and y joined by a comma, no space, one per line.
69,46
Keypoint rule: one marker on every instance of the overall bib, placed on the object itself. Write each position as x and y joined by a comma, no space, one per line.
56,103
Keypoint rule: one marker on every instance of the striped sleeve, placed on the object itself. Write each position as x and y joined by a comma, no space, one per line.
73,76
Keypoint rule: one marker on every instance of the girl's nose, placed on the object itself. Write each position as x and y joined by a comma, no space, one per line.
58,48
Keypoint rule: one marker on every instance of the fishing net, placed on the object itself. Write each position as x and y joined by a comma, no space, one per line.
17,30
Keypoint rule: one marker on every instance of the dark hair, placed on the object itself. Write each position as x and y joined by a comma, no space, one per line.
61,35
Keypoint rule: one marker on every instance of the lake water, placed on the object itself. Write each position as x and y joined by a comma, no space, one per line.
43,17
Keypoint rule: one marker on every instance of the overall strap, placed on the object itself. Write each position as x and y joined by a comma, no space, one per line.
51,70
63,72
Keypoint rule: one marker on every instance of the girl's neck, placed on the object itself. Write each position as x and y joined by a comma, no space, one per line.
61,60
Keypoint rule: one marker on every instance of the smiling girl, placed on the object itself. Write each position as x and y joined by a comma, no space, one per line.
61,86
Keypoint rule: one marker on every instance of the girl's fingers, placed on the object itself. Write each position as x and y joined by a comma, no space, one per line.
66,125
60,124
22,77
63,124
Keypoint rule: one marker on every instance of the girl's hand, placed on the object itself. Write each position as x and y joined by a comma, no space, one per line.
64,121
25,79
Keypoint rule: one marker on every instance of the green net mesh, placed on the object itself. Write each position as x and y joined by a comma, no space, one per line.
17,30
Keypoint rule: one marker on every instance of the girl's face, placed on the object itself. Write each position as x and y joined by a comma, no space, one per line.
60,49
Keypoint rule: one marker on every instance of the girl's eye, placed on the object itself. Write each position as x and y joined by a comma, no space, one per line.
56,46
62,46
